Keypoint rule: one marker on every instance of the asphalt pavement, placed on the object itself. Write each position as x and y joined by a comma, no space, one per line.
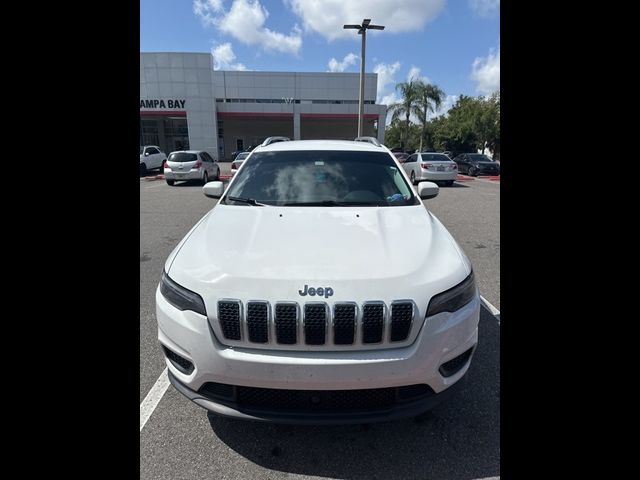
460,439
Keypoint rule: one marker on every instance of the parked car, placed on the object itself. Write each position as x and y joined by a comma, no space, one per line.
401,156
431,166
372,140
474,164
191,165
270,140
294,296
235,165
151,158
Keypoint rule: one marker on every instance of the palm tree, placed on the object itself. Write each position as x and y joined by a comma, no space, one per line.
429,98
406,106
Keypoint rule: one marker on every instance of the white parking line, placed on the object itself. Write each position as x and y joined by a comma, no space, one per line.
494,311
154,396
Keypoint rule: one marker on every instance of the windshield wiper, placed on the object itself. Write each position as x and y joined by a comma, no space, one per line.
248,201
331,203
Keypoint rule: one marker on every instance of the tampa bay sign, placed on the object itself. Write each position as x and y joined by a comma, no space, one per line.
162,103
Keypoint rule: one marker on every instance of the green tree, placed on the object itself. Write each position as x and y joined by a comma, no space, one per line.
406,106
394,135
429,98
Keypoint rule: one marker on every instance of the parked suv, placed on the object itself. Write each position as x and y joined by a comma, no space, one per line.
295,300
151,158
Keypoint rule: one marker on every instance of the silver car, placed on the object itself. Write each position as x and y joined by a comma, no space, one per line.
191,165
433,167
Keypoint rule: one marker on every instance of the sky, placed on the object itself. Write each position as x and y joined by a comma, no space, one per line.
454,44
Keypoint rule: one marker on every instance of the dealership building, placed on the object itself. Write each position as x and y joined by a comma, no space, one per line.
184,104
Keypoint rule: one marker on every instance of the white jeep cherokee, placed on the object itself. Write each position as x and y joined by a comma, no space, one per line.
296,299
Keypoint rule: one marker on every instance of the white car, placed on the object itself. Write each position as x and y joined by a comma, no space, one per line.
270,140
371,140
294,300
191,165
436,167
151,158
235,165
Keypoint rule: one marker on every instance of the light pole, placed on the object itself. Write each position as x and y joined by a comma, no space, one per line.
362,30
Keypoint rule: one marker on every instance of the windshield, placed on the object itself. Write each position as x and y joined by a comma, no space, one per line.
435,157
478,157
182,157
321,178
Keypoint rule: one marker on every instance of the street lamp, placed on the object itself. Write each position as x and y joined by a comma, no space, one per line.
362,30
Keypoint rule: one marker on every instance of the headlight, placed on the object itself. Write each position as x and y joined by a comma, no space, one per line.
180,297
453,299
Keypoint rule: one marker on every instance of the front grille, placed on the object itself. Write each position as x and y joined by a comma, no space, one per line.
286,320
310,401
229,317
344,323
372,323
401,317
258,322
315,323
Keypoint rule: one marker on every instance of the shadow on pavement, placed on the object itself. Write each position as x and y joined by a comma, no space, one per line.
459,439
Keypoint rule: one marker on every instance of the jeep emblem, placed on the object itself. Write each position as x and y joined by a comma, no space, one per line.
325,292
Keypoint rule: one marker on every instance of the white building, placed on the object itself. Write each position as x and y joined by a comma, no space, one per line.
184,103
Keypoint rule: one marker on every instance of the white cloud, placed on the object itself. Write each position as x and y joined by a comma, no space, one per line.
223,58
386,76
347,61
485,8
245,21
398,16
445,106
414,74
485,71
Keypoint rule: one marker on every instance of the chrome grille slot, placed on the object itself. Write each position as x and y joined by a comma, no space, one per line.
344,323
372,322
258,322
229,318
401,319
286,322
315,323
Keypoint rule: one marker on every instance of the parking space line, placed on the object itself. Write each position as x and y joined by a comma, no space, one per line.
154,396
494,311
154,186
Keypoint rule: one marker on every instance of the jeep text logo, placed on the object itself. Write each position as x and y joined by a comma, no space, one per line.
326,291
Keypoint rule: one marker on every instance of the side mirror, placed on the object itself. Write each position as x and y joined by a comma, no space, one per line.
146,154
213,189
427,190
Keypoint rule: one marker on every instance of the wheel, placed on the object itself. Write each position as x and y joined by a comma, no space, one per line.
473,172
161,167
205,178
448,183
143,169
170,182
413,177
217,174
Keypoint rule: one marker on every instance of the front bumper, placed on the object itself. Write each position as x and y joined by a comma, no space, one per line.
190,175
231,409
442,337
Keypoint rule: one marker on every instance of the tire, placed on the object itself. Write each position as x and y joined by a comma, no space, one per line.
205,178
413,177
448,183
473,172
143,169
217,174
170,182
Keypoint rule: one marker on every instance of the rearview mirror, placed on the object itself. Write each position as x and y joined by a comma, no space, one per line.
427,190
213,189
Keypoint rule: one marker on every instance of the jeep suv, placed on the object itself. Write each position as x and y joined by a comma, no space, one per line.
295,300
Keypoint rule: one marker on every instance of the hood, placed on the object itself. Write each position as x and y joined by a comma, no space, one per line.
271,253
